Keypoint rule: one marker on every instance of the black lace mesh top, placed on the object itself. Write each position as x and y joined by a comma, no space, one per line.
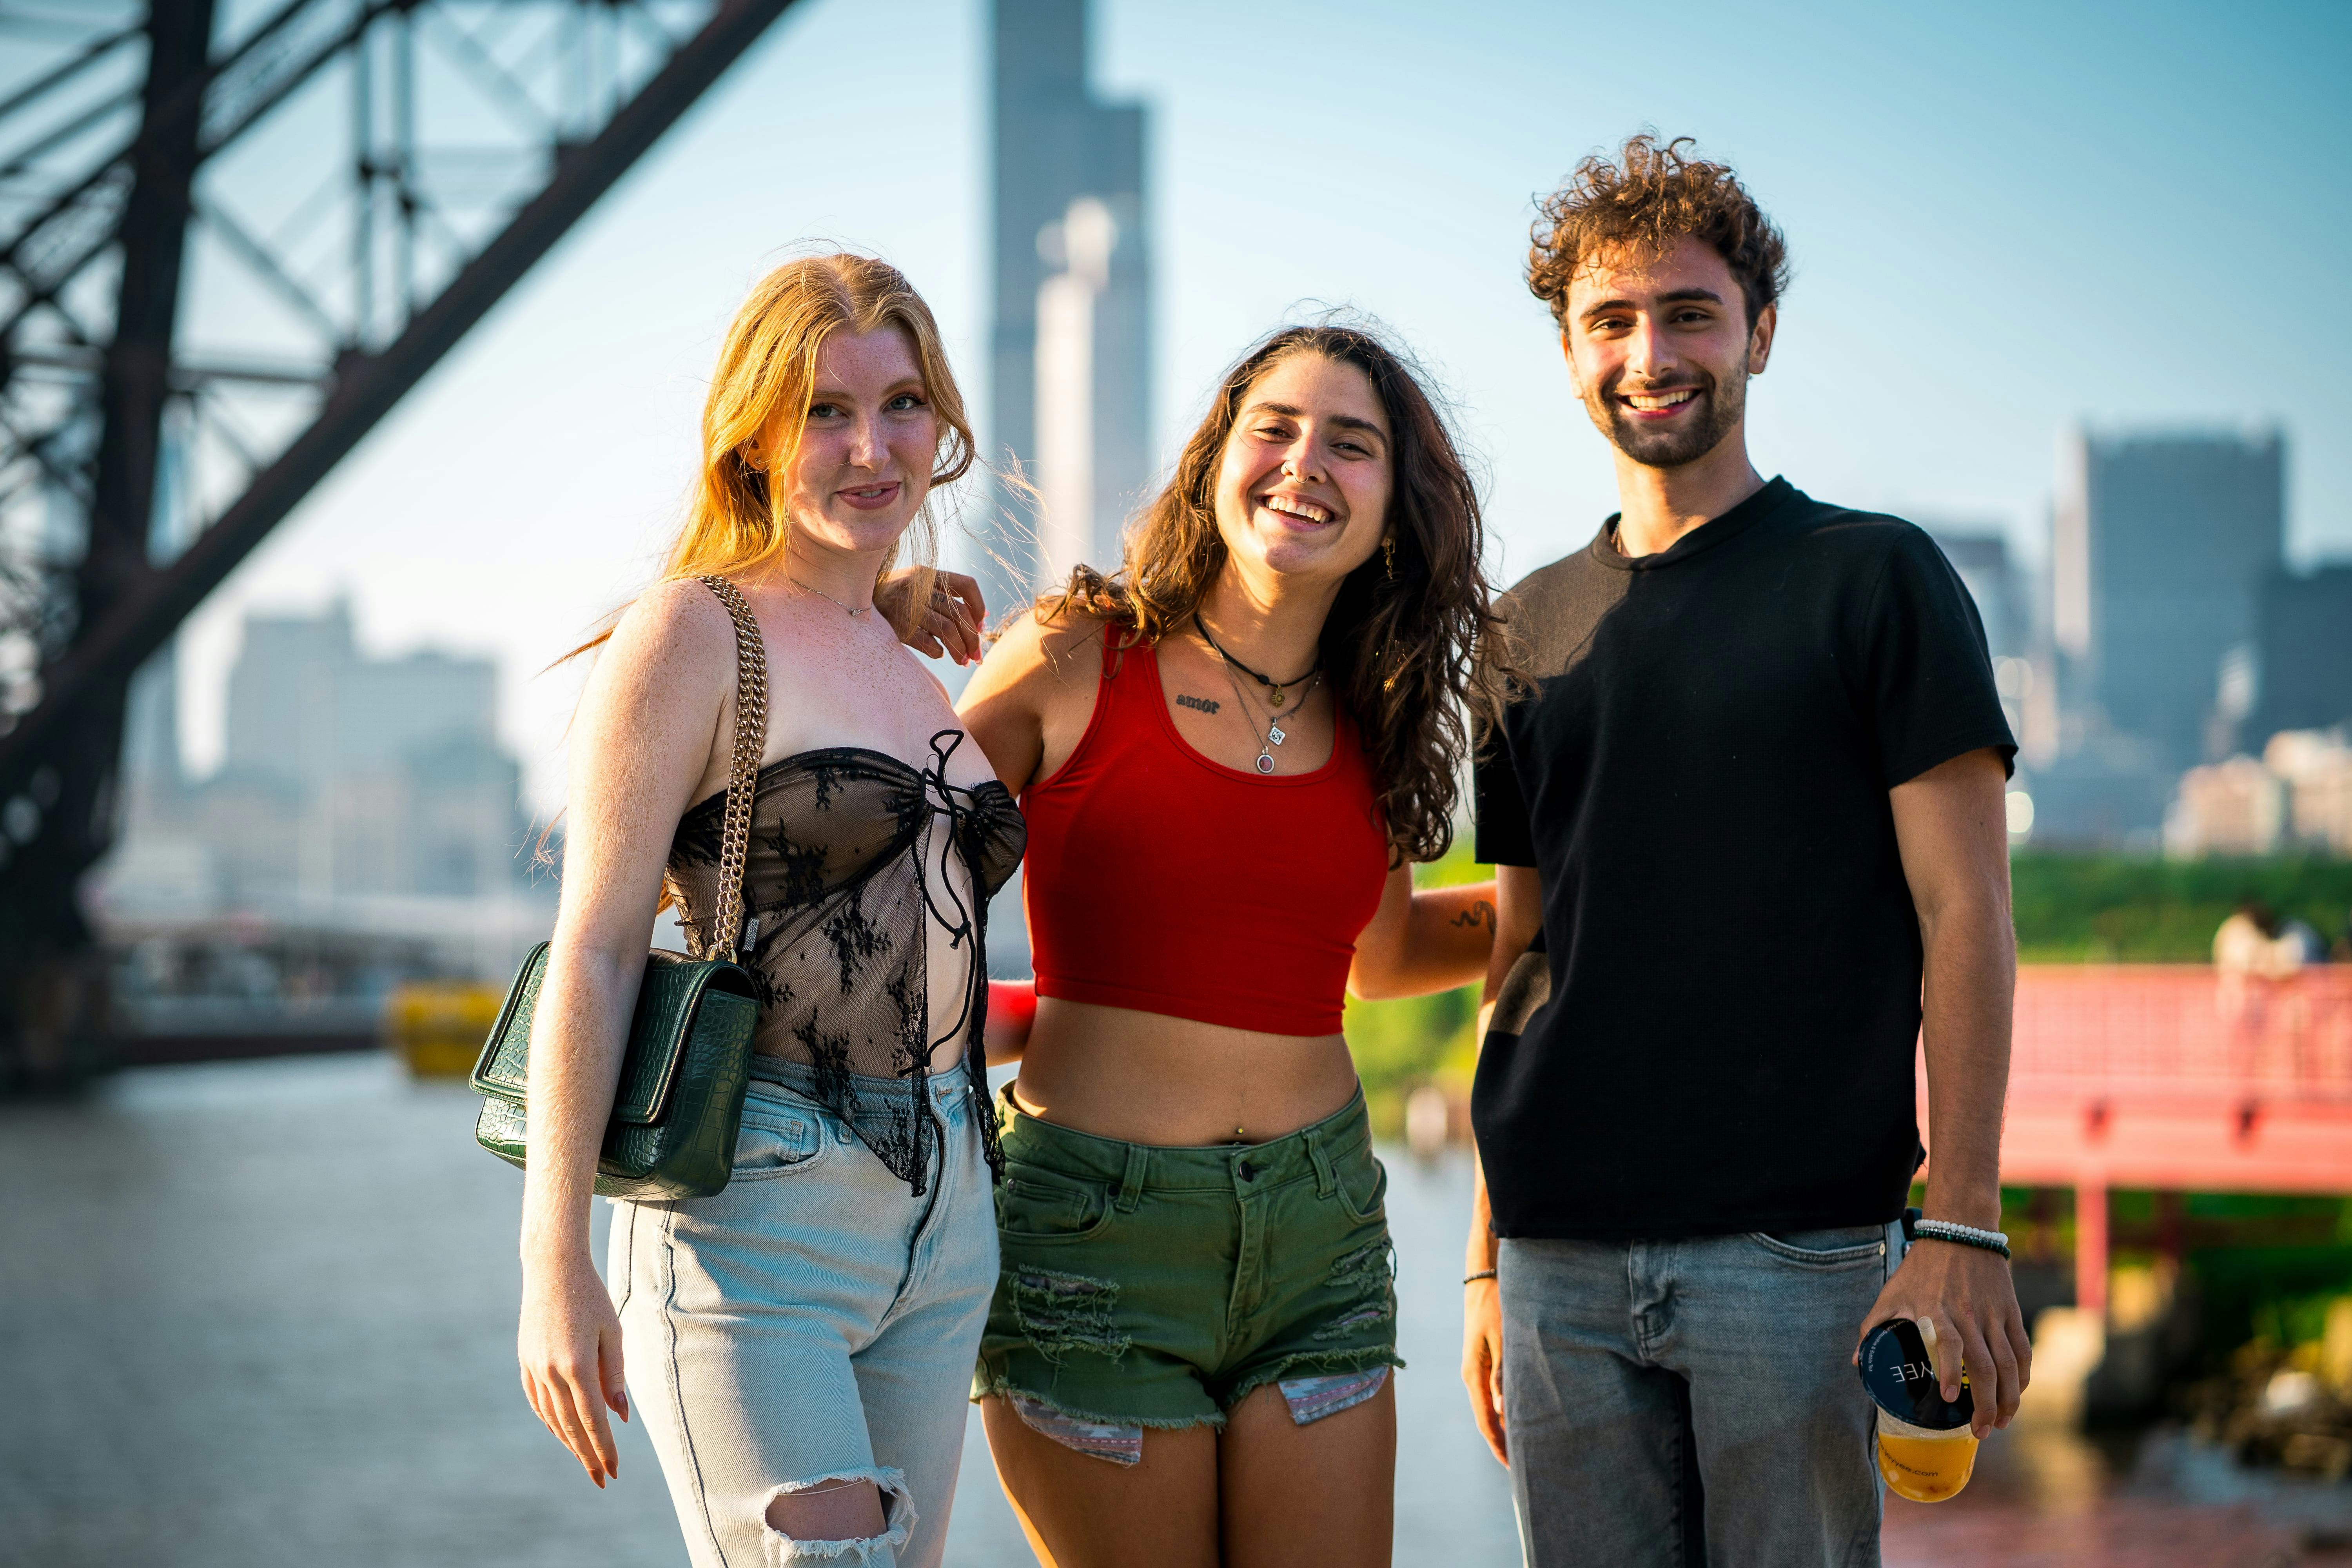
854,856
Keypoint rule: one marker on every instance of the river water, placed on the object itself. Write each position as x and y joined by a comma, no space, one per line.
258,1315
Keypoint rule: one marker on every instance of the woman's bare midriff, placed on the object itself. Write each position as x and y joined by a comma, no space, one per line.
1146,1077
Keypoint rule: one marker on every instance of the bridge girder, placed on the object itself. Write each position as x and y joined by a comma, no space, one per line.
223,260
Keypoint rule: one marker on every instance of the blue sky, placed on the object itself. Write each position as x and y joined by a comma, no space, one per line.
2005,220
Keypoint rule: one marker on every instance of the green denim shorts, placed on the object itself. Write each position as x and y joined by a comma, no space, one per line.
1157,1287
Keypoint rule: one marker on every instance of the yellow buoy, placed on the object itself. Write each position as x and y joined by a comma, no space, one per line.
439,1026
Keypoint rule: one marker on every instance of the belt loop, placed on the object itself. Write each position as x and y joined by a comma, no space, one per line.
1130,1183
1325,1183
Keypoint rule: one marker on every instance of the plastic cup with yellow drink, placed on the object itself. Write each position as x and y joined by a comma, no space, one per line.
1926,1449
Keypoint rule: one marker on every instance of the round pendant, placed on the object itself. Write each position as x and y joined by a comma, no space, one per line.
1276,701
1264,763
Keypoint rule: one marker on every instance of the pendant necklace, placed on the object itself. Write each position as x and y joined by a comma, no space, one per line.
1275,733
854,610
1274,687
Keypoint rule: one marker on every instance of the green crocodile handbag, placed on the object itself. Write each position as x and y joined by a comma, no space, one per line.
679,1101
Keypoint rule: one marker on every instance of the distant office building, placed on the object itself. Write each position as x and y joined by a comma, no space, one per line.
2236,807
2106,792
303,705
1070,347
2297,796
2315,767
2161,548
2303,668
343,777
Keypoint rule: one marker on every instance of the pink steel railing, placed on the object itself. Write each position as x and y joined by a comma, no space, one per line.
2167,1031
2176,1078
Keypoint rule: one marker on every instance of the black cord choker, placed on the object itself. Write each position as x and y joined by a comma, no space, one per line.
1274,687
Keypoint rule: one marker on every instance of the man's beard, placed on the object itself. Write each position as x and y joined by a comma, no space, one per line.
1721,407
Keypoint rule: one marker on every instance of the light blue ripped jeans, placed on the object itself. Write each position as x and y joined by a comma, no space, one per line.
813,1323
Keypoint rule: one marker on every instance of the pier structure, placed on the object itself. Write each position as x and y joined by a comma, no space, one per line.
2174,1078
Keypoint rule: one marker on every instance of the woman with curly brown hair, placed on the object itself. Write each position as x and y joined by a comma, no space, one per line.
1229,754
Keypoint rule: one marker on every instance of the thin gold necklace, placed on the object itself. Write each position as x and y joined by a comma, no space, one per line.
854,610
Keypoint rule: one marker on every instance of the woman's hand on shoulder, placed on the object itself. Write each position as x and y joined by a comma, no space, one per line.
951,623
1018,704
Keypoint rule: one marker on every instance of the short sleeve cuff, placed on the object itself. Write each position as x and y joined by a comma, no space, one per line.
1903,769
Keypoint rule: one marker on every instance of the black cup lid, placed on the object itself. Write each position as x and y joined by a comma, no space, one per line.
1902,1380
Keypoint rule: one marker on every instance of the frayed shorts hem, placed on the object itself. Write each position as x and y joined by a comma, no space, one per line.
986,1385
1323,1363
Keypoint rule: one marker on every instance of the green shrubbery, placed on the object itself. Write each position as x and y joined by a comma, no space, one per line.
2107,908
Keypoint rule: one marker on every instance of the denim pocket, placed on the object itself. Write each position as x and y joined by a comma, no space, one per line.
1363,1185
777,1138
1033,1206
1841,1247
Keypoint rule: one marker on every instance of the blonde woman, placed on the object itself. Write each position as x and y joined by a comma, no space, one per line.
799,1343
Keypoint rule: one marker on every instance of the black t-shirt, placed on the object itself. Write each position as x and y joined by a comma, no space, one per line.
1717,1033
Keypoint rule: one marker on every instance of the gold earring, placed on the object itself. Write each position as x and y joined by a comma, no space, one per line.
1388,547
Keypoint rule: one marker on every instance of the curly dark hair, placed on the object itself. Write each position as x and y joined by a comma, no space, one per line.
1417,659
1652,196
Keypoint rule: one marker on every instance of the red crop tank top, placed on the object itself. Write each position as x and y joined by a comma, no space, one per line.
1160,881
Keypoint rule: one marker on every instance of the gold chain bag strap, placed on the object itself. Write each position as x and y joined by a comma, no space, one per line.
679,1101
742,777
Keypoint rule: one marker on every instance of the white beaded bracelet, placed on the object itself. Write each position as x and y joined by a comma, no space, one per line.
1964,1235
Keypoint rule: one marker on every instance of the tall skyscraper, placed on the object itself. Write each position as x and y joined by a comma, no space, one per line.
2161,545
1070,350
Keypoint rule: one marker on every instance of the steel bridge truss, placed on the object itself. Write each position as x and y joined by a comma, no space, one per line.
232,237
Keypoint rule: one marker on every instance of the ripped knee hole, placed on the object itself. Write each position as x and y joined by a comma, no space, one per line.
846,1515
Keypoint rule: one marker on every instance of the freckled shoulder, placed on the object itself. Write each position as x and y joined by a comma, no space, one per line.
661,693
681,615
679,634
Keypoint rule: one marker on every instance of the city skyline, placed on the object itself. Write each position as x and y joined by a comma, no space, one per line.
525,489
344,776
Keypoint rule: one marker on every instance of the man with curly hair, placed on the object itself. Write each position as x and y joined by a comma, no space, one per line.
1747,822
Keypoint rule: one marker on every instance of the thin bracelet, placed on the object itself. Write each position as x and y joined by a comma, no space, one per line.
1482,1273
1963,1234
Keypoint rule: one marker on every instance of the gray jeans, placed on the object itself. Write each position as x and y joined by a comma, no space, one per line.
815,1321
1671,1403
